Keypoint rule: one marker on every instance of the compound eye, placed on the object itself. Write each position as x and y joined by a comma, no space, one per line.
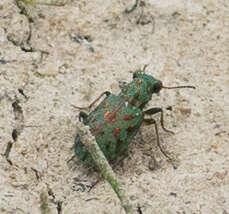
157,87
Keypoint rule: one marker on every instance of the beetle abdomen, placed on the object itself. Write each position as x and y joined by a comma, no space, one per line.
114,124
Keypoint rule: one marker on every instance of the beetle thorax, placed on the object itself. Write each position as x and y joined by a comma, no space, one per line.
137,93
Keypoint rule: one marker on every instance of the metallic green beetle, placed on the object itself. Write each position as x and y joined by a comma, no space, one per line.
117,119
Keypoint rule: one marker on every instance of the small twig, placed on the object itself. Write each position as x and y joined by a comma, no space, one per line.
139,210
7,152
46,2
130,10
44,205
37,174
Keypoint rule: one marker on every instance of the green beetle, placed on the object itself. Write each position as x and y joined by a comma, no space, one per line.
117,119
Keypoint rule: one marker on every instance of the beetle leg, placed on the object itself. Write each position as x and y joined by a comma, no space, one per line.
152,121
82,116
107,93
152,111
80,150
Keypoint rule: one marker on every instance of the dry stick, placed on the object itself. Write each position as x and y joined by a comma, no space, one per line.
47,2
89,141
132,8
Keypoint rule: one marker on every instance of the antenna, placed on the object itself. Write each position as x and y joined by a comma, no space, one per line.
183,86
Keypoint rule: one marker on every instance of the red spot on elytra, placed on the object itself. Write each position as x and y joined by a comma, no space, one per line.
127,117
116,131
96,128
111,116
139,82
107,114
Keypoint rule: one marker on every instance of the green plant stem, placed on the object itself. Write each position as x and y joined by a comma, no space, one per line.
105,169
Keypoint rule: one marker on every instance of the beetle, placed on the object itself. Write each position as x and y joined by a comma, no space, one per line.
117,119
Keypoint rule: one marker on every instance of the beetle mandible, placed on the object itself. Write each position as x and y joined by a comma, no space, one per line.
117,119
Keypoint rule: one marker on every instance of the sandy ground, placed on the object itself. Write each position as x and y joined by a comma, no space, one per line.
54,57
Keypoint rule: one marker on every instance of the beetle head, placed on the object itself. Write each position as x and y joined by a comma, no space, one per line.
153,85
143,86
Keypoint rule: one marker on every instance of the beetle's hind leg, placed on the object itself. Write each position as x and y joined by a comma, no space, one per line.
81,151
152,111
149,121
82,116
84,155
107,93
152,121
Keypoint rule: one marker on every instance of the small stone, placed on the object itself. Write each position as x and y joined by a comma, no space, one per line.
185,111
152,164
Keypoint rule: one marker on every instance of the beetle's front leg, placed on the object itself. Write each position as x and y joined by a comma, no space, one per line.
152,111
107,93
152,121
82,116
